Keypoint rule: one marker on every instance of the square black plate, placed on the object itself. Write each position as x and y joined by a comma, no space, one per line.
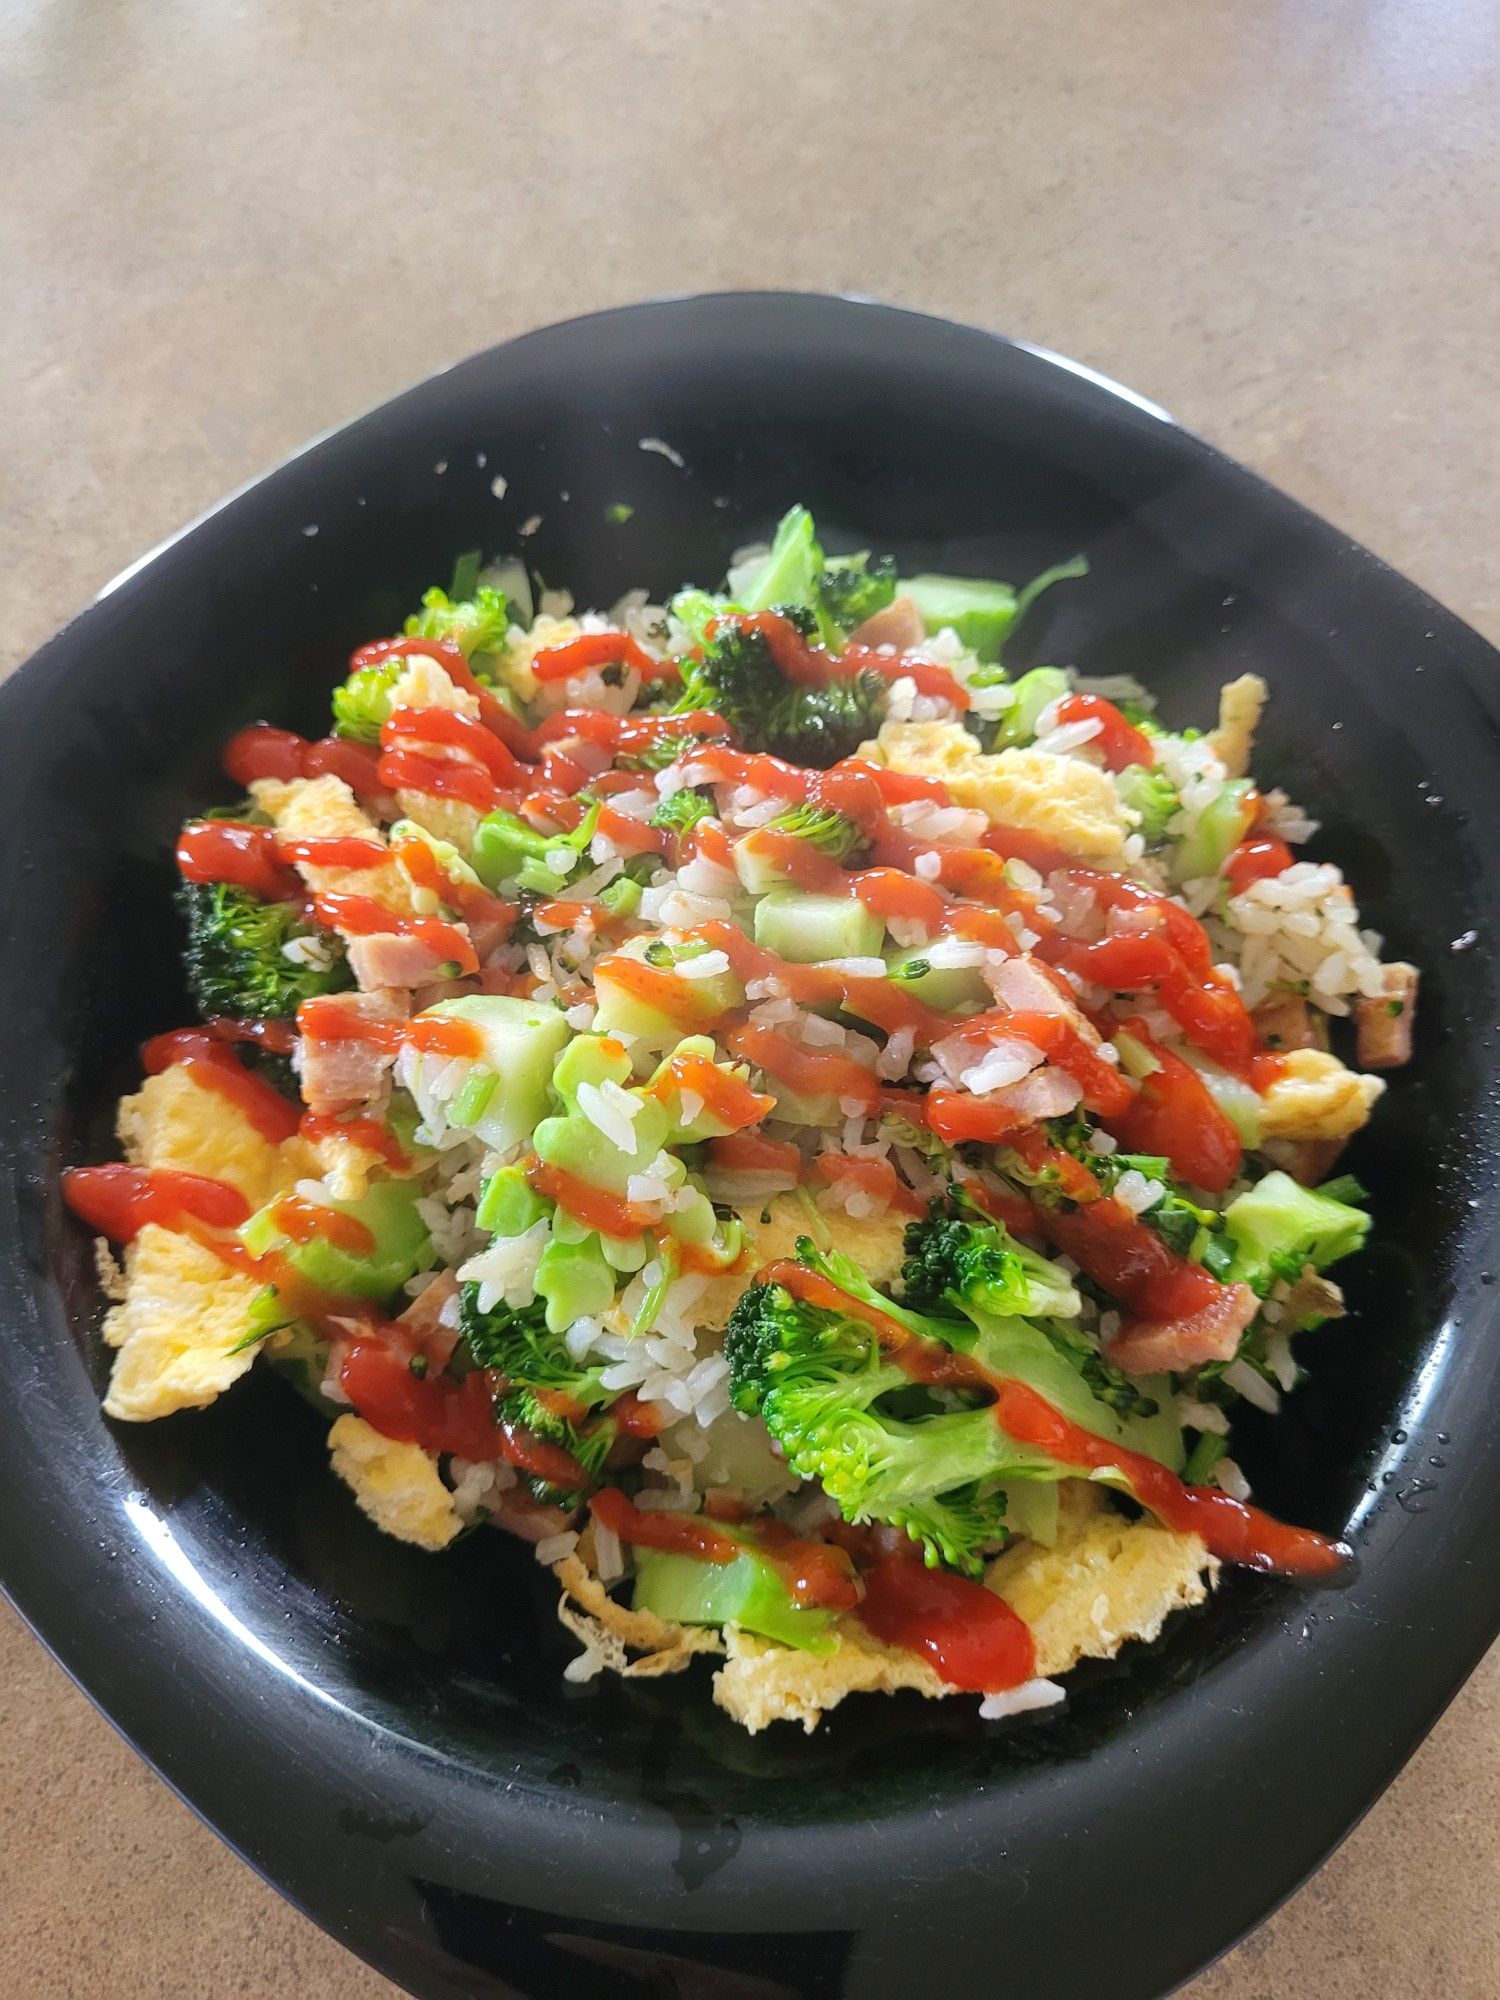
387,1735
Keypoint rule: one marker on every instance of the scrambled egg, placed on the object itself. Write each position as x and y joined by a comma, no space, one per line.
1106,1581
424,684
174,1122
521,648
182,1310
635,1643
1063,800
326,809
340,1161
181,1314
875,1244
1240,705
397,1485
1316,1097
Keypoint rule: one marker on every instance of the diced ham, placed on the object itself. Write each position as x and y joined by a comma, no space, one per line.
1046,1093
338,1072
387,959
1284,1021
1384,1025
423,1319
899,625
1023,984
1306,1160
1149,1347
488,934
533,1520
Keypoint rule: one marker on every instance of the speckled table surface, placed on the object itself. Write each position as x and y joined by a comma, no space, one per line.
226,226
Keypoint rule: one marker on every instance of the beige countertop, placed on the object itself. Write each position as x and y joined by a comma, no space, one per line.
228,224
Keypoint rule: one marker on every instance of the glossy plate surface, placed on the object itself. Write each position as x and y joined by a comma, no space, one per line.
386,1735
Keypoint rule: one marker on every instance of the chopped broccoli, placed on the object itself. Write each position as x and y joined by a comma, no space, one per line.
362,704
507,849
738,679
1153,796
832,833
1035,691
978,1268
791,578
682,811
234,959
475,625
829,1399
884,1446
544,1390
1181,1224
854,588
955,1265
1278,1226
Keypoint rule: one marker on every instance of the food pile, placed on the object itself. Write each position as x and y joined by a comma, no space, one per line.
816,1132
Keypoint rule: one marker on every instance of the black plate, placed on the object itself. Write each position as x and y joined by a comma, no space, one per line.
385,1734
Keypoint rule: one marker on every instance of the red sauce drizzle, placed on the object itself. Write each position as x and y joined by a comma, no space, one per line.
279,1037
674,1534
362,916
1256,861
596,1208
210,850
261,751
876,1178
444,1035
119,1201
359,1131
214,1064
817,1575
967,1634
441,1414
304,1221
815,666
339,1017
351,851
676,1000
599,649
1118,742
726,1098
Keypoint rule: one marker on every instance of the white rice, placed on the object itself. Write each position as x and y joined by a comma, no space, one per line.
1253,1386
612,1111
1300,930
1135,1192
1021,1700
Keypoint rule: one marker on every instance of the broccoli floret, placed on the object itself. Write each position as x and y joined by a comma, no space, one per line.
1277,1227
544,1390
362,704
234,959
738,679
854,588
887,1447
507,849
829,1398
978,1268
682,811
664,751
792,574
832,833
475,625
953,1264
1153,796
